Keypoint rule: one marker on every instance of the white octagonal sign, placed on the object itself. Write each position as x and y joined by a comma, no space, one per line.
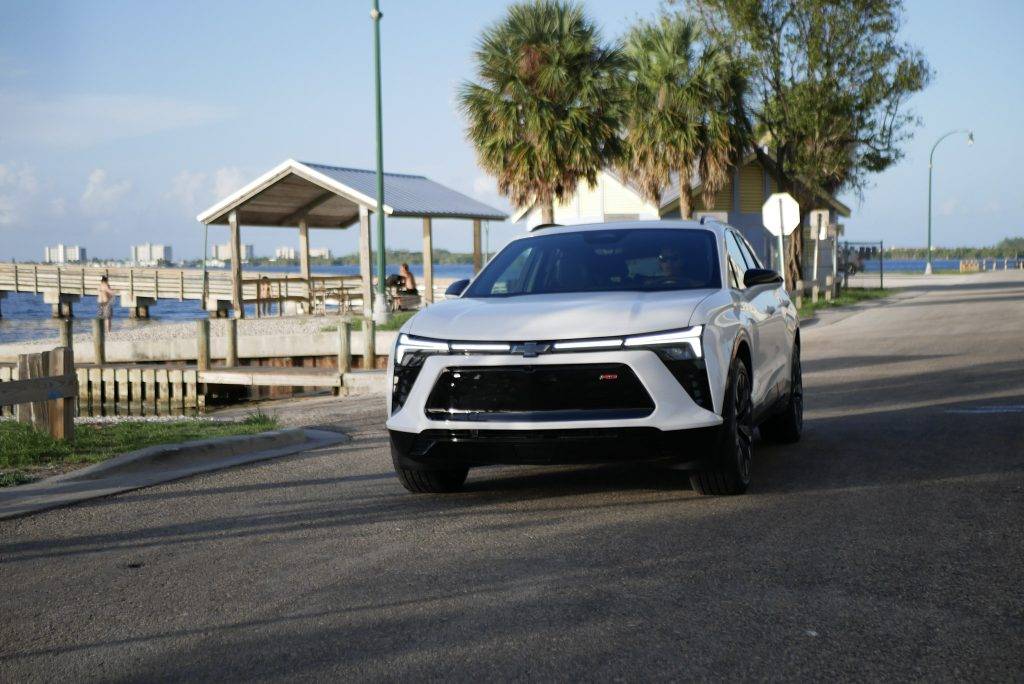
781,214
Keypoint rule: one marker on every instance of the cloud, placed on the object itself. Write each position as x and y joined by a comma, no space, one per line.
189,189
949,207
101,196
18,185
87,120
195,190
228,179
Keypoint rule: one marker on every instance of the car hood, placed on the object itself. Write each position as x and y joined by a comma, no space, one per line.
526,318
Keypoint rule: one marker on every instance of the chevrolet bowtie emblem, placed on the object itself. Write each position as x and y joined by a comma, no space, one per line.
531,349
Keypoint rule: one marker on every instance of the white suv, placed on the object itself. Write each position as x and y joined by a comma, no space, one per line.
659,340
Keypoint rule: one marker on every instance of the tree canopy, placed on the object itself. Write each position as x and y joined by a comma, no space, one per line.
543,113
683,98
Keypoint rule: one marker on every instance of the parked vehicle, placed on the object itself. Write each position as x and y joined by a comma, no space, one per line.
642,341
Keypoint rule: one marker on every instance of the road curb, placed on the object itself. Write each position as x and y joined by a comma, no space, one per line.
158,464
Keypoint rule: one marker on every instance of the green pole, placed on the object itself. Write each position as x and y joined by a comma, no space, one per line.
931,160
380,305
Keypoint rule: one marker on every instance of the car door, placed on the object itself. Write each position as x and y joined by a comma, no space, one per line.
756,308
774,302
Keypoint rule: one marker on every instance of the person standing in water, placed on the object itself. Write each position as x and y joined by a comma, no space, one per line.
105,299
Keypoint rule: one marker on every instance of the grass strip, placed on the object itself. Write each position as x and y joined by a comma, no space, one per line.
24,452
846,297
396,321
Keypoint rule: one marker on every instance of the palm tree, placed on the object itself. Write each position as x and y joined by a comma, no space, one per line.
683,110
544,112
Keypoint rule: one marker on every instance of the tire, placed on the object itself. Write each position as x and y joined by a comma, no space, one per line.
735,443
787,426
431,481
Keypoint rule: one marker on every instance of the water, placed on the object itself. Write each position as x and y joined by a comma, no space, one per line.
26,317
911,265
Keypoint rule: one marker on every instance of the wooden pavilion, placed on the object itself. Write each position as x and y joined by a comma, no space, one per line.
305,195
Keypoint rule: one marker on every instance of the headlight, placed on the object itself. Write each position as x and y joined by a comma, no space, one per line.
408,343
673,338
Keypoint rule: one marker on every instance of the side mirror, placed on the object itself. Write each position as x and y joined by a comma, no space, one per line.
761,276
456,288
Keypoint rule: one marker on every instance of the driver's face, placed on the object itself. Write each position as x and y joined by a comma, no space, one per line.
671,263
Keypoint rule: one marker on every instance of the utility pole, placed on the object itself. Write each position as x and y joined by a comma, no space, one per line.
380,308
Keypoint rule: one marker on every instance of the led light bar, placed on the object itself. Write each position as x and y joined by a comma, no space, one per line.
587,344
480,346
407,343
690,336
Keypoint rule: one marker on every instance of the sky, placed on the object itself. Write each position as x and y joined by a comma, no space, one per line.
121,120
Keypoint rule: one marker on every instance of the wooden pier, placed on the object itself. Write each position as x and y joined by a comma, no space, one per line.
141,288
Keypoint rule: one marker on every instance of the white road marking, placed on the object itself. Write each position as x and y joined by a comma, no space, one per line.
1010,408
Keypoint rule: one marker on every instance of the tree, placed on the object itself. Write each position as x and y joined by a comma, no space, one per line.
830,81
544,113
683,99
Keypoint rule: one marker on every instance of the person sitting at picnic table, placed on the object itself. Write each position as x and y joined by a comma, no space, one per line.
105,299
409,284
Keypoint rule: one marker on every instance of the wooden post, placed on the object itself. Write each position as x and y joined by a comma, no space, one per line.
304,262
828,288
232,357
62,409
428,261
369,344
164,380
236,265
478,261
66,333
344,347
99,342
203,344
177,390
36,413
95,389
365,270
149,381
123,387
181,286
135,392
109,386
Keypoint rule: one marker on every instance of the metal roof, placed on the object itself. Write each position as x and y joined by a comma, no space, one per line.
409,195
332,196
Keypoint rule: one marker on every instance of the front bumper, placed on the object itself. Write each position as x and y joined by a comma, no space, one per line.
687,449
670,429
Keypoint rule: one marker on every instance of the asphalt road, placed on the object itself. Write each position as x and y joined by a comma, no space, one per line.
887,544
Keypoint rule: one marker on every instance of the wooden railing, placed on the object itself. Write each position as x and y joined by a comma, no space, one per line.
44,392
173,283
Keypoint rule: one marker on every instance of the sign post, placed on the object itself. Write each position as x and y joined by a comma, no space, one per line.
781,215
819,221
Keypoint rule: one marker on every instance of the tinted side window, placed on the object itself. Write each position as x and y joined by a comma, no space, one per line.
737,261
748,252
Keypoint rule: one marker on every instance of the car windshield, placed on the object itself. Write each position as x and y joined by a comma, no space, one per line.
632,259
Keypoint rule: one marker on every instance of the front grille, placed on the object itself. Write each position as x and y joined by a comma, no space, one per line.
538,392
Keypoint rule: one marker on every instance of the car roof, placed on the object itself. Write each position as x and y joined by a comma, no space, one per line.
715,227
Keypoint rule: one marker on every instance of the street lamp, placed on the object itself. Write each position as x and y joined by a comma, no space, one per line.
931,158
380,307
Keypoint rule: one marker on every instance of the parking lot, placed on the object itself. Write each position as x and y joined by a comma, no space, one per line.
887,543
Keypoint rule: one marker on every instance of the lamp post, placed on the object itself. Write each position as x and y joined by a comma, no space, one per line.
931,158
380,308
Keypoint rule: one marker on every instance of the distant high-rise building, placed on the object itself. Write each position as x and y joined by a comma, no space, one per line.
223,252
149,254
320,253
64,254
288,253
